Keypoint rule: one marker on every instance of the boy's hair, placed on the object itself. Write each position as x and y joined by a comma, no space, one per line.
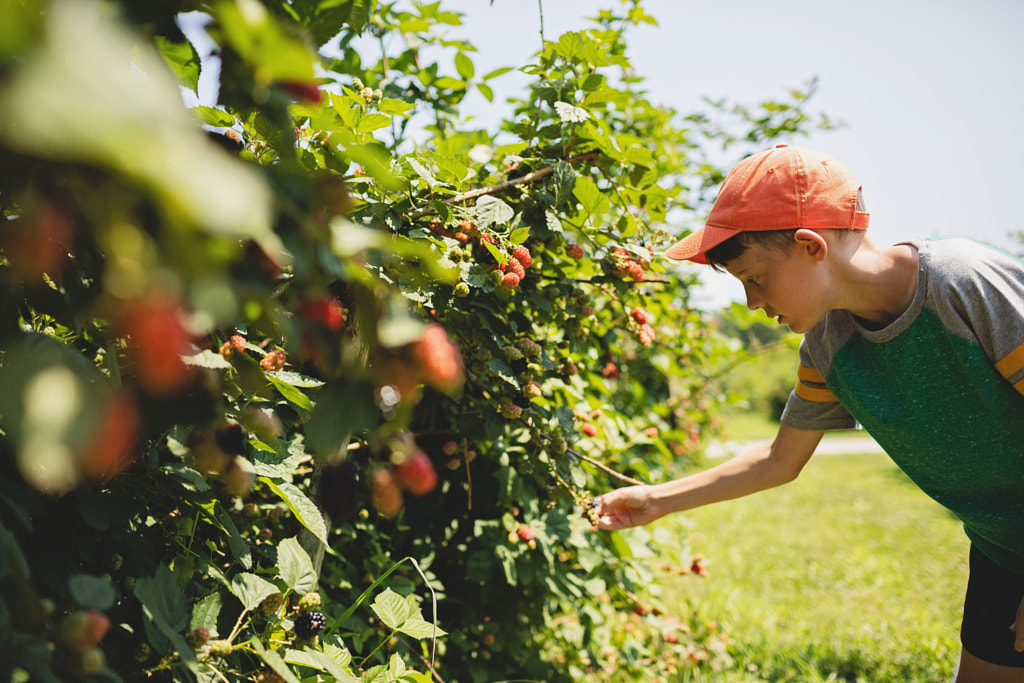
719,256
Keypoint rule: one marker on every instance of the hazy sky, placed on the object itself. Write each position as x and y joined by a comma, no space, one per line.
932,91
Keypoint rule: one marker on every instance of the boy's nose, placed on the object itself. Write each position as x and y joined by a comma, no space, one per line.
754,301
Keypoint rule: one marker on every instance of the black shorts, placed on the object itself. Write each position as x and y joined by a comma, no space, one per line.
993,596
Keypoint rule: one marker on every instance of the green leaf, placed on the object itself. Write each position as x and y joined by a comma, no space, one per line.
162,596
503,370
297,380
290,392
449,83
302,507
274,661
372,122
322,662
519,235
498,72
564,177
422,171
551,219
486,91
239,547
391,608
492,211
206,359
394,107
92,591
588,194
166,611
420,628
295,567
640,156
183,60
206,612
464,66
251,589
404,615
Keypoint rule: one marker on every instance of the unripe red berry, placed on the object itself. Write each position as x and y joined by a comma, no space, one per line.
640,316
197,637
635,271
387,496
83,629
510,281
589,429
522,254
302,90
510,410
440,360
273,361
532,390
326,311
516,267
574,251
417,473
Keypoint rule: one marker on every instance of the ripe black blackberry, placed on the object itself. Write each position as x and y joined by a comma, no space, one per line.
309,624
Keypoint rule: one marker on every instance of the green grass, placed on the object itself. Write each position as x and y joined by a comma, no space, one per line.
850,573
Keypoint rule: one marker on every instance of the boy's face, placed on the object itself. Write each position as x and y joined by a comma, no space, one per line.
788,284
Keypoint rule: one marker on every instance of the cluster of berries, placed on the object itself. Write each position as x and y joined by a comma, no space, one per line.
464,233
525,533
368,94
236,344
273,361
80,634
624,264
157,341
645,333
413,472
508,275
433,360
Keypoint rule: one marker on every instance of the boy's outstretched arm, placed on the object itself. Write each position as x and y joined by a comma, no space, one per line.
762,467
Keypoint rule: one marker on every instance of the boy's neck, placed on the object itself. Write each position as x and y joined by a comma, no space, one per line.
879,282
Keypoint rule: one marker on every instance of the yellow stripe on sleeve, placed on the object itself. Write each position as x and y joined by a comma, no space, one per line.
811,394
806,374
1011,362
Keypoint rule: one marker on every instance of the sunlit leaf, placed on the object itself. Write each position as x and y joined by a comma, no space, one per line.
305,510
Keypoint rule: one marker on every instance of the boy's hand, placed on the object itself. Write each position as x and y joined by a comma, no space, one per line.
629,507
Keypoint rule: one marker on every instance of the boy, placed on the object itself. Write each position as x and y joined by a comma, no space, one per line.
921,342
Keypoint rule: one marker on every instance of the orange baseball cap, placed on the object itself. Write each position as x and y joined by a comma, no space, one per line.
778,189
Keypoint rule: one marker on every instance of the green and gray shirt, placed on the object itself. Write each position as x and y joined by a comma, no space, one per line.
941,389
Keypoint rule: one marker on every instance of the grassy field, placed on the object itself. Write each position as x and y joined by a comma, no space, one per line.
849,573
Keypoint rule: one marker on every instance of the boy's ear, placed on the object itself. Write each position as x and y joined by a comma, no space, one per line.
811,243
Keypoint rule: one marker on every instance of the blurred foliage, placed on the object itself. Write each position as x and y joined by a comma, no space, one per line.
315,382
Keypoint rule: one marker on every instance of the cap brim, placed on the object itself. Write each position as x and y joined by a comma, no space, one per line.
693,246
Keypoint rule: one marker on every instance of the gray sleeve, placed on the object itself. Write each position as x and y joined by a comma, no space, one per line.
979,295
811,404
